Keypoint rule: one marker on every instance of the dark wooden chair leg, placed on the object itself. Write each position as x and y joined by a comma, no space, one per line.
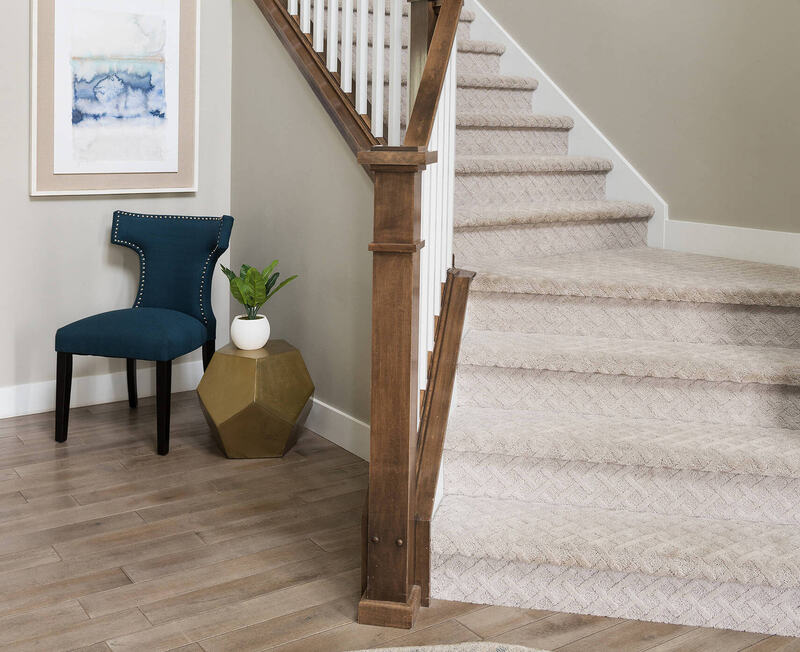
63,389
208,351
133,396
163,390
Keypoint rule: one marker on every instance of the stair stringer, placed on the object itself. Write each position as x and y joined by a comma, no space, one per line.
624,181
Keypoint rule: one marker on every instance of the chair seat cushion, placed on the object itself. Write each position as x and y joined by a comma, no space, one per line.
141,333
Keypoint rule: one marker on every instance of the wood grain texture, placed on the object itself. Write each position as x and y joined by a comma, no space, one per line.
390,596
441,380
339,106
280,569
420,124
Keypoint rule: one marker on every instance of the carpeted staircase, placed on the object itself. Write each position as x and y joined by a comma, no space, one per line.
625,439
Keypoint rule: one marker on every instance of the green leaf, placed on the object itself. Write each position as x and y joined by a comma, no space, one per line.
244,291
268,270
286,282
236,290
272,280
229,273
256,284
243,271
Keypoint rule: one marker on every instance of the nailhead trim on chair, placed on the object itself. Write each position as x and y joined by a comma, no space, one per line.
142,260
205,270
169,217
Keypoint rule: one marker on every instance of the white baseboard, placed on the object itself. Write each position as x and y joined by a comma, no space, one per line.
33,398
758,245
340,428
624,181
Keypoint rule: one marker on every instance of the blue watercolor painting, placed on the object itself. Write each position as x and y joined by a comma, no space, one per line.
118,89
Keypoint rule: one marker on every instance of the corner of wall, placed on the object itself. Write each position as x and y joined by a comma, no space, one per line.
624,181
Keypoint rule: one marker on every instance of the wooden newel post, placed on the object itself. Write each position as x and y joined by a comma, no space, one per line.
391,598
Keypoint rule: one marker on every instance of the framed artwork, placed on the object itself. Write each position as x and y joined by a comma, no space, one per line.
114,96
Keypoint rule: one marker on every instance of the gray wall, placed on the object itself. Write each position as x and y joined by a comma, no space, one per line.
701,96
299,196
57,264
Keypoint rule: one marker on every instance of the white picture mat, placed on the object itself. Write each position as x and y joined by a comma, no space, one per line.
116,40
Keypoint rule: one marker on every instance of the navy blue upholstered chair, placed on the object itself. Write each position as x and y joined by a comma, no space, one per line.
171,315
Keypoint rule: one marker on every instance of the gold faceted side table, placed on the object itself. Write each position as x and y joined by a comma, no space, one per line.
255,401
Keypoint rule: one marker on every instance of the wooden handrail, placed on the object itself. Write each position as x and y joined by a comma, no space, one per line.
435,414
420,124
436,406
339,106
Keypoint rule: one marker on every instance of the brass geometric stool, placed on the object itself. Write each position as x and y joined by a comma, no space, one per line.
256,401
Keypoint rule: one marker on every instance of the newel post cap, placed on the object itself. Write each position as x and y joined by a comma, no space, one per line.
398,159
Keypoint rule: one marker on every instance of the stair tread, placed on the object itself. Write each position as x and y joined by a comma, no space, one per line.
654,443
481,47
614,540
482,80
551,212
643,273
489,80
526,163
510,120
627,357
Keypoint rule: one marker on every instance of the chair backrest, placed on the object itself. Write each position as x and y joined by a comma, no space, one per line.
177,256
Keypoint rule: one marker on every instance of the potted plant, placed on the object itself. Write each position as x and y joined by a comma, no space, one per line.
253,289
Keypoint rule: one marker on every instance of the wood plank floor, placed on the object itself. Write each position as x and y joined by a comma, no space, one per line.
104,545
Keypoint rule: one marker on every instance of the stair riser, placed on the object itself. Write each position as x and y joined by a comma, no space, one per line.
467,62
509,100
770,406
478,62
485,140
634,488
470,99
488,189
547,239
668,321
618,595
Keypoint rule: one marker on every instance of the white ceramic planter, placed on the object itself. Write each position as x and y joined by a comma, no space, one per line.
249,334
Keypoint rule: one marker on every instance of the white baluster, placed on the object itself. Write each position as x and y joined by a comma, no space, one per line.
440,203
347,46
433,208
305,16
379,15
362,45
451,150
319,26
333,35
395,69
293,7
424,281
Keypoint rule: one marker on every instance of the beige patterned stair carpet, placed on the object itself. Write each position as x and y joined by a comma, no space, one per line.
625,436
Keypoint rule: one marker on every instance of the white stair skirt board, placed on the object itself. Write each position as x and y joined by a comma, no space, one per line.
759,245
33,398
625,433
625,181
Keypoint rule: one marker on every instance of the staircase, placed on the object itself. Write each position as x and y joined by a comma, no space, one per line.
625,439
